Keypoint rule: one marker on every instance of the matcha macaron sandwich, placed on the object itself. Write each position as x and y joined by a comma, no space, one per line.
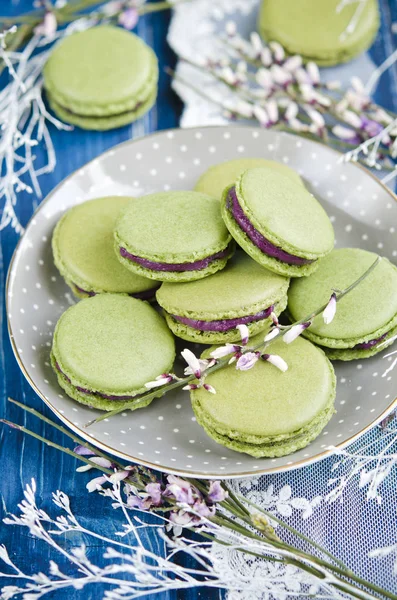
106,348
101,78
224,174
267,412
173,236
209,310
328,32
366,319
83,251
277,222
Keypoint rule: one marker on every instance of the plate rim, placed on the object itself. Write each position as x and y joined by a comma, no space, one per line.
329,451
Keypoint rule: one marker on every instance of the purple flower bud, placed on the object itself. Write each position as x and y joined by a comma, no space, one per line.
83,451
154,491
48,27
216,492
244,333
192,361
330,310
180,489
135,502
276,360
129,18
272,334
247,361
159,381
209,388
119,476
224,351
96,483
202,509
181,517
295,331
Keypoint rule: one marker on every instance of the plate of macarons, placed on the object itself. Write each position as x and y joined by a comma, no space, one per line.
194,239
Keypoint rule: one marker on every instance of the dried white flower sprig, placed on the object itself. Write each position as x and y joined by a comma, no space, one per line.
24,119
48,17
261,82
215,511
243,355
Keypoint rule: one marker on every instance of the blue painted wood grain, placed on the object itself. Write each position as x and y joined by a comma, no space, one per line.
22,458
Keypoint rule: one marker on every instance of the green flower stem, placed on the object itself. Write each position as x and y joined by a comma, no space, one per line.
223,520
57,446
303,537
67,432
225,361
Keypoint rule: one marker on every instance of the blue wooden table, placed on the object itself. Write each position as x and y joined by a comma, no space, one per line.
21,457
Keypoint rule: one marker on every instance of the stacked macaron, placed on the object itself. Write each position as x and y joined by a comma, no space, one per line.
277,222
264,412
106,348
328,32
366,319
82,246
209,310
173,236
101,78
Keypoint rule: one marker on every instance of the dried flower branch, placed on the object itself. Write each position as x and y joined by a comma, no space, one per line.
260,82
24,119
221,516
47,18
242,354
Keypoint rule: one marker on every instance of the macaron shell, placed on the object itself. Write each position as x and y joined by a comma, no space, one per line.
83,249
242,288
94,400
366,313
220,337
351,354
217,178
316,29
264,406
272,448
106,122
285,213
113,344
272,264
102,71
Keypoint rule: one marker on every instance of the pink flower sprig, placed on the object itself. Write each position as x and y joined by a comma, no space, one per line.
262,83
184,503
244,356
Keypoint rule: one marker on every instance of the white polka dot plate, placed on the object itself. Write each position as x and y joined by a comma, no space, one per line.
165,435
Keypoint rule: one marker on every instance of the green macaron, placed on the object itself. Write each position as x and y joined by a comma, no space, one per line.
83,251
101,78
267,412
328,32
277,222
173,236
366,318
208,310
106,348
224,174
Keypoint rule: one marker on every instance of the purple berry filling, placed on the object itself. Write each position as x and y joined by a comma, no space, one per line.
146,295
224,324
370,344
198,265
99,394
257,238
